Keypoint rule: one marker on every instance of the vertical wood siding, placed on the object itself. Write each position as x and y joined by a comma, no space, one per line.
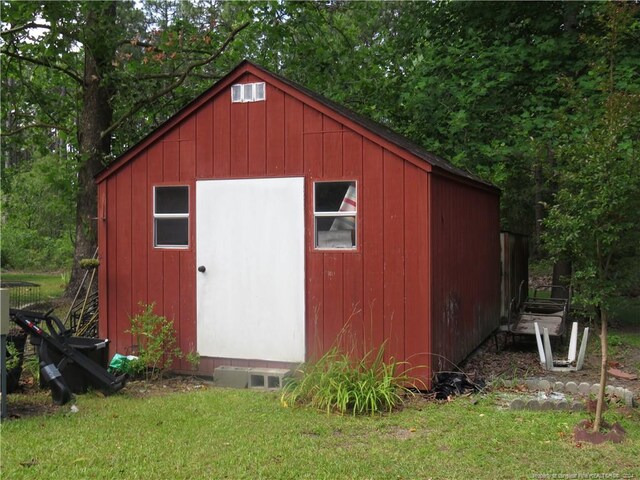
388,289
465,269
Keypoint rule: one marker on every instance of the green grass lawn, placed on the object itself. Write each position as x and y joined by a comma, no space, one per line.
52,285
218,433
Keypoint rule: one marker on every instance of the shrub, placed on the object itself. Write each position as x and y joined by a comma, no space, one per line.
156,342
193,359
338,383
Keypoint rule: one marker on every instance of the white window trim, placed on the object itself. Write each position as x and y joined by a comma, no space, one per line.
251,96
157,216
335,214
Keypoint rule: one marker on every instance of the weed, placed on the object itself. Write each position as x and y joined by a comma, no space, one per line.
156,342
615,341
193,359
336,382
32,366
13,356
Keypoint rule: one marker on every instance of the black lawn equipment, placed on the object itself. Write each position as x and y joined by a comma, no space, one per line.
67,364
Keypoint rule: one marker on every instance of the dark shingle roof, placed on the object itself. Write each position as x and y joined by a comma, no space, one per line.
379,129
367,123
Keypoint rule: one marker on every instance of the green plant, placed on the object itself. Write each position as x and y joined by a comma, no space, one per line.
32,366
336,382
615,341
156,342
193,359
13,357
89,263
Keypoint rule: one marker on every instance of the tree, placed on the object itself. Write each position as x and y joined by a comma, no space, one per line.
98,52
478,84
595,218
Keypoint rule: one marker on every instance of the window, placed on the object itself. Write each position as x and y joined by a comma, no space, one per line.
171,217
248,92
335,214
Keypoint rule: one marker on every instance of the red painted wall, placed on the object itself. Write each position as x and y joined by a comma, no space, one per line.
382,291
465,253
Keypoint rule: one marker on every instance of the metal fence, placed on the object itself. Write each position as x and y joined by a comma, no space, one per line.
22,294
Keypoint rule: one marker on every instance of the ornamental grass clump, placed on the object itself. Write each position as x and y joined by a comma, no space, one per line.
338,383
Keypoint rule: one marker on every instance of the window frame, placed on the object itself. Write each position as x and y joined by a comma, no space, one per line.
248,92
159,216
316,215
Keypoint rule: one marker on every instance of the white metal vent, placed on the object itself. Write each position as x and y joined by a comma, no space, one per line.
248,92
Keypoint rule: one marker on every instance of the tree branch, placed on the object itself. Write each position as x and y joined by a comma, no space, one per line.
34,125
45,63
160,76
155,48
182,77
57,28
26,26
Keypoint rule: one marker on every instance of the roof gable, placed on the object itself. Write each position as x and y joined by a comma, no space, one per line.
393,141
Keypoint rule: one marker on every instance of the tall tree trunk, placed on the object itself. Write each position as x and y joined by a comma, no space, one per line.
562,278
603,370
95,117
538,179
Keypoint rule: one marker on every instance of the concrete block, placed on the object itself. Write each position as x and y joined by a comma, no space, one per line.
558,387
517,404
544,385
628,398
533,405
571,387
531,383
583,388
577,406
563,405
595,388
547,405
231,377
267,378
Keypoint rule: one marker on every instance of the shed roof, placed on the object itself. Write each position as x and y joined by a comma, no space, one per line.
245,67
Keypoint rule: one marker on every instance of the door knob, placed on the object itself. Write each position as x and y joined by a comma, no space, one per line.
202,268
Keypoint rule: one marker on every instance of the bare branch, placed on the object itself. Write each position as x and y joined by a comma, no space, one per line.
45,63
141,103
47,126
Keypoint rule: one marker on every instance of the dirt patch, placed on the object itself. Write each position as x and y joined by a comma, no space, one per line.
400,433
518,359
611,433
172,384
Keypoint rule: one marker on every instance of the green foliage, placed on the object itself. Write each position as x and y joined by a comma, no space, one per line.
193,359
13,356
155,337
595,217
89,263
38,220
336,382
32,366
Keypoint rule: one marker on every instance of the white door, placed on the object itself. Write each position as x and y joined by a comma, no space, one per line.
250,241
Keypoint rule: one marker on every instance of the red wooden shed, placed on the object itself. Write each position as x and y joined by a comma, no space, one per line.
269,222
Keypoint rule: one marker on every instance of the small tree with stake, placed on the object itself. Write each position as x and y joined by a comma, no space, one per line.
596,217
